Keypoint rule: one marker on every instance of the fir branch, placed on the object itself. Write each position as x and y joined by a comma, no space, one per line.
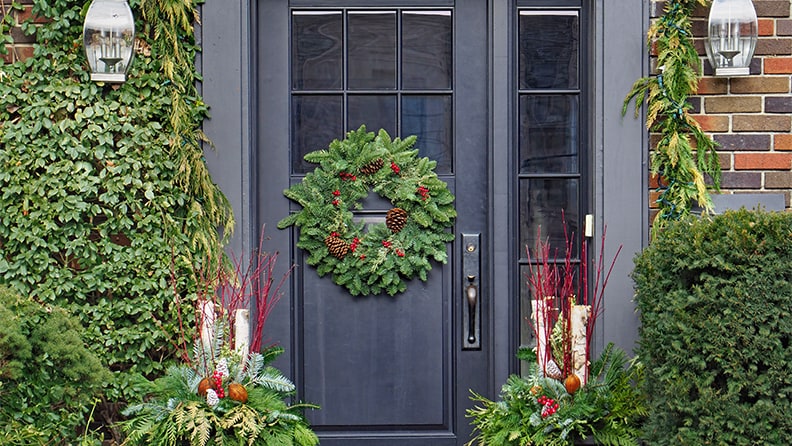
271,378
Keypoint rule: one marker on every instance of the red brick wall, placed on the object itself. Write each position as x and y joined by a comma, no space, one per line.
751,117
23,45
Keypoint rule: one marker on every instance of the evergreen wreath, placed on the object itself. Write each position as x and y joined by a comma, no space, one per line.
372,257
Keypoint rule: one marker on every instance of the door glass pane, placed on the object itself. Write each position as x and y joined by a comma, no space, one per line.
549,46
542,201
317,50
316,120
426,50
429,118
372,50
549,134
376,112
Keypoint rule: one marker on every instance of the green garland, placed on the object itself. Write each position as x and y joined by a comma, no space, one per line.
372,258
685,155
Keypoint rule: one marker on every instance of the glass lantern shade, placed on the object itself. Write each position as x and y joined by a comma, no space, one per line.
732,34
109,39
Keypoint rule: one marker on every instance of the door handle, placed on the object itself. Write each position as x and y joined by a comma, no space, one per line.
472,298
471,292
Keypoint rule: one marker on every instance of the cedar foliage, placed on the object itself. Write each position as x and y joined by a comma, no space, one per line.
715,299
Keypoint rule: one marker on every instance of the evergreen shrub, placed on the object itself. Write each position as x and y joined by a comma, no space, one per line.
48,378
715,302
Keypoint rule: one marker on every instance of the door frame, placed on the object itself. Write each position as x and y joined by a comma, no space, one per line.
619,160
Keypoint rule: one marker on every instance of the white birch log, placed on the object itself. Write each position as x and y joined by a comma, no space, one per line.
242,332
207,323
579,317
541,322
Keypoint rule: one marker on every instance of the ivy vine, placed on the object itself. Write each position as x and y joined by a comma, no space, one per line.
685,156
106,203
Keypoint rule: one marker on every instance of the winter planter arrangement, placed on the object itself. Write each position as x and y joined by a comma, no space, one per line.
224,391
565,398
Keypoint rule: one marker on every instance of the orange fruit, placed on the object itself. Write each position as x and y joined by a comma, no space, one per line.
237,392
572,383
204,385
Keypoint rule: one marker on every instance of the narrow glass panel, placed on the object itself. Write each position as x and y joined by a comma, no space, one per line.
549,44
317,50
376,112
542,202
527,336
316,121
549,134
426,50
429,118
372,50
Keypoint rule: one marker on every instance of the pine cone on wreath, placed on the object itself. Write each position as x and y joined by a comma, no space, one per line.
336,246
395,219
372,167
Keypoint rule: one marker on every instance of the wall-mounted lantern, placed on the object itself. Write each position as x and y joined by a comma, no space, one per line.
732,34
109,39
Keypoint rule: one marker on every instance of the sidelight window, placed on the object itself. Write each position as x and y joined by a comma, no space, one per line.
551,147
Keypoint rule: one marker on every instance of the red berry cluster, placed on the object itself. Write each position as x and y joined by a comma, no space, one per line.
395,167
353,246
423,192
218,381
335,234
549,406
347,176
399,253
386,243
336,194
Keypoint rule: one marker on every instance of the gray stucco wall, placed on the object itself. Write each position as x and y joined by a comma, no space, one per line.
622,157
225,36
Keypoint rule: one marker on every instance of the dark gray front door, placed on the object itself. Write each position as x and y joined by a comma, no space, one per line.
399,370
385,370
